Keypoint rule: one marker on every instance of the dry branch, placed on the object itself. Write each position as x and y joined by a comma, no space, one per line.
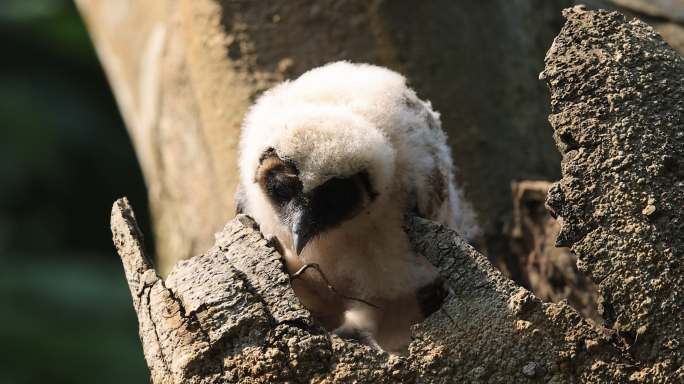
230,315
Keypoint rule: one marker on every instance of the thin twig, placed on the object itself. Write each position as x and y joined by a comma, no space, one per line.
327,282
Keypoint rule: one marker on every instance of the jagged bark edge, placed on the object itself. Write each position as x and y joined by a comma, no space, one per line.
186,338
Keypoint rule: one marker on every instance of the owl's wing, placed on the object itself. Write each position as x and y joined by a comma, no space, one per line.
431,199
441,200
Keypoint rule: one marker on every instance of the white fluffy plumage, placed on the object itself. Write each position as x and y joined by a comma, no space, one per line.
334,122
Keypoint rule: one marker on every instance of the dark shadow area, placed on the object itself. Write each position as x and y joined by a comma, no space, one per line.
64,157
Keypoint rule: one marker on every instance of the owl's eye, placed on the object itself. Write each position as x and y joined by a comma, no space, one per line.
339,199
281,187
278,178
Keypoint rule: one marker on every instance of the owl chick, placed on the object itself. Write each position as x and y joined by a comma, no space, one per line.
329,164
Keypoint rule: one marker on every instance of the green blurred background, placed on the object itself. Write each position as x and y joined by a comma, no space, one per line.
65,156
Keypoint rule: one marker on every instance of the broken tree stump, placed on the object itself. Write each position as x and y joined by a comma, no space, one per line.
617,109
230,315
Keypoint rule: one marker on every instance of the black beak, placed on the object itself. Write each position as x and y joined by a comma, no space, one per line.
302,229
300,237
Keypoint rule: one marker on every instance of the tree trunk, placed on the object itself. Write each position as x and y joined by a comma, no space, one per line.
185,71
230,315
617,109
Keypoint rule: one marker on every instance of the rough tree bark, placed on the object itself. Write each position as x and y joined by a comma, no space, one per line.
230,315
185,71
617,103
617,99
666,16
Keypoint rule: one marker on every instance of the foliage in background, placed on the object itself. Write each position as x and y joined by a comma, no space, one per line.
64,158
